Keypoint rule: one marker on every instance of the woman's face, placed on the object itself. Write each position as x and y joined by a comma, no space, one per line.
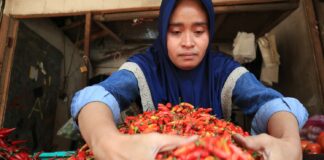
188,35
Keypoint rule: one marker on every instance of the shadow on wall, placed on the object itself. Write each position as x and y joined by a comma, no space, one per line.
33,90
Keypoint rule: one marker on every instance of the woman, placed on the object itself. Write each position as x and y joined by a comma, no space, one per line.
180,65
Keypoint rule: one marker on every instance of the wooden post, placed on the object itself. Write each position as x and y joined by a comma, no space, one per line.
87,35
316,42
8,35
3,37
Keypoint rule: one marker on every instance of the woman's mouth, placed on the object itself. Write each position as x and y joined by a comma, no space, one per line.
187,56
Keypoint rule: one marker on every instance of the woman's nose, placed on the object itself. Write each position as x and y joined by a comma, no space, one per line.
187,40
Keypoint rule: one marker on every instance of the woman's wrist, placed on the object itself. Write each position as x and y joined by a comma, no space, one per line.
103,134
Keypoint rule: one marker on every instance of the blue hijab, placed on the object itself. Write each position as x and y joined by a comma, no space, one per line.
201,86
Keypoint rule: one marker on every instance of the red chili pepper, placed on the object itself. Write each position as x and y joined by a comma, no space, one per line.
187,105
184,150
81,155
36,156
16,142
21,156
161,107
198,153
219,153
188,127
5,131
168,105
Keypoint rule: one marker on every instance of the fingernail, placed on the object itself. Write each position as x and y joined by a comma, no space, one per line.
193,138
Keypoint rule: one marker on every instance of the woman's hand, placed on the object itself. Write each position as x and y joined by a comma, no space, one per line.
272,148
99,131
143,147
282,142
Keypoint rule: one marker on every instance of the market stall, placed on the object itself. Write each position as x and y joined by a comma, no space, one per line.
84,41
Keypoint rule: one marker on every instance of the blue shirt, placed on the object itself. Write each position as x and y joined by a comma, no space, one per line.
121,88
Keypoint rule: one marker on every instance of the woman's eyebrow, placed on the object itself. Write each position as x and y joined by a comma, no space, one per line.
200,24
177,24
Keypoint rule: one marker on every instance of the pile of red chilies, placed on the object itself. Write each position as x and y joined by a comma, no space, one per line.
11,150
216,134
180,119
215,142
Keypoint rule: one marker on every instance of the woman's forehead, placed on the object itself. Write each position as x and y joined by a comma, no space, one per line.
189,10
197,4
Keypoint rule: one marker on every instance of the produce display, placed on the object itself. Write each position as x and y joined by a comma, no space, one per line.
215,142
312,135
11,150
215,136
317,147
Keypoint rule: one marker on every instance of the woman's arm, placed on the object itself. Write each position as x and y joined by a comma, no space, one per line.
283,143
276,120
99,131
96,109
284,125
96,124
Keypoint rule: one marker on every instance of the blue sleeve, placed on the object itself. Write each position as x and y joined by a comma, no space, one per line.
292,105
123,86
253,97
117,92
94,94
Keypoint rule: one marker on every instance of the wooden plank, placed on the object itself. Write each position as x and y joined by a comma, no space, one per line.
126,16
219,21
240,2
316,42
319,9
93,37
86,45
72,25
273,7
6,74
110,32
87,32
267,27
218,10
3,37
134,8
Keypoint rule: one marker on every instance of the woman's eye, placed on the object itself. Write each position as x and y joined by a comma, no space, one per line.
199,32
175,32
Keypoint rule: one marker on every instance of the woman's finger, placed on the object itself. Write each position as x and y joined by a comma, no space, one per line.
257,143
169,142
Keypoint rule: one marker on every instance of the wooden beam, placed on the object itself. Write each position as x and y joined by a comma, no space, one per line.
72,25
219,5
126,16
110,32
86,44
218,10
219,21
268,26
3,37
87,32
93,37
256,8
316,42
120,52
20,8
7,66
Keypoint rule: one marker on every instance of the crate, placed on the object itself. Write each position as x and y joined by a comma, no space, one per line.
58,154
